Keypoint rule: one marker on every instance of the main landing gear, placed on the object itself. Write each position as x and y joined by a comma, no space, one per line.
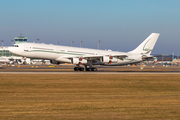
87,69
79,68
91,69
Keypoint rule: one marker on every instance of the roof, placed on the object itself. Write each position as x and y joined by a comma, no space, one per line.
21,37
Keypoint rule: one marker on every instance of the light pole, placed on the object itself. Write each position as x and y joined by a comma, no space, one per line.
2,46
172,55
98,43
57,42
12,42
72,43
37,39
177,55
80,43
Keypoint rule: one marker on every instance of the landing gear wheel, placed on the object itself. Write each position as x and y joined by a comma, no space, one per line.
76,69
81,69
94,69
91,69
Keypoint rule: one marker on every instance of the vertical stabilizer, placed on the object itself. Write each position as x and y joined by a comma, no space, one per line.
147,45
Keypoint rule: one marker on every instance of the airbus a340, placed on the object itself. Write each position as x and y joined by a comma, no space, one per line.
84,56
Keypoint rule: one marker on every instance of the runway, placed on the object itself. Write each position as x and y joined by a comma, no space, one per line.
89,72
26,69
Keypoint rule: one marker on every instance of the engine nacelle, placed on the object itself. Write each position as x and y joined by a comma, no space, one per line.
105,59
78,61
109,59
75,61
83,61
113,60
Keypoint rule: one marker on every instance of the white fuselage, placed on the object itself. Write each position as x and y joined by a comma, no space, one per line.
63,53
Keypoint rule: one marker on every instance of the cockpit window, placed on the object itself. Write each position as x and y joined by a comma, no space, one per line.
15,45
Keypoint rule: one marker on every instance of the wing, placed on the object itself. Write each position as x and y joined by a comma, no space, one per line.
96,57
100,56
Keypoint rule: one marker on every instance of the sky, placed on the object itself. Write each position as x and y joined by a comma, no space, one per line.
120,25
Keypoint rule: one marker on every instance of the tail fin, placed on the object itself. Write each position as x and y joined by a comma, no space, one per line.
155,60
174,59
147,45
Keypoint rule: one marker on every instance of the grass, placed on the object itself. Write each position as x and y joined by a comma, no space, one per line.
89,97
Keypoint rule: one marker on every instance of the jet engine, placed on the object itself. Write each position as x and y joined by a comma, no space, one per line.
82,61
109,59
105,59
75,61
113,60
78,61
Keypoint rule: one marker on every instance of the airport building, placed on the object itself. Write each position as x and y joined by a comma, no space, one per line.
5,52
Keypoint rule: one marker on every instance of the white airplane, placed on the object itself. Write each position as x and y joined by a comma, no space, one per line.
168,63
85,56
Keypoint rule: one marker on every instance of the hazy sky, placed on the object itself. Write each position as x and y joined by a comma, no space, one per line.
121,25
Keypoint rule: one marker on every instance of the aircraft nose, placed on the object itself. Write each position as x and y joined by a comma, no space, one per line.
10,49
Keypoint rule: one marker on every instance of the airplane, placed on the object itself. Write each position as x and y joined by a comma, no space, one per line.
84,56
154,61
168,63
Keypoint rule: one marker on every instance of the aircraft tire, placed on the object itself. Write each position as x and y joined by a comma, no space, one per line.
81,69
91,69
76,69
94,69
87,69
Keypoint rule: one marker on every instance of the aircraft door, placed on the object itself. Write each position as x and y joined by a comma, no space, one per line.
26,47
57,50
